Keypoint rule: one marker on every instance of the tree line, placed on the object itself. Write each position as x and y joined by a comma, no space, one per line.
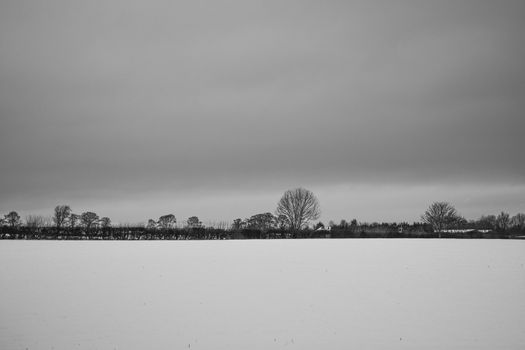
295,212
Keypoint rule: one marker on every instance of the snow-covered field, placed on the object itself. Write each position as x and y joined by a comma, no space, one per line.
302,294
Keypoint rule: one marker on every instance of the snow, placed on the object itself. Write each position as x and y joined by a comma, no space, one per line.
265,294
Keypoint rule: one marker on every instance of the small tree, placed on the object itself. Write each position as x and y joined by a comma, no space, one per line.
193,222
237,224
298,206
61,215
167,221
12,219
73,220
518,221
152,224
88,219
440,215
105,222
503,221
263,222
487,222
282,222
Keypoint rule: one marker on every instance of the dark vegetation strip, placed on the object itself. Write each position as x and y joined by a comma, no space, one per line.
141,233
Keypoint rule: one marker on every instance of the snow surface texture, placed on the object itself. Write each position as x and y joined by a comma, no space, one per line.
302,294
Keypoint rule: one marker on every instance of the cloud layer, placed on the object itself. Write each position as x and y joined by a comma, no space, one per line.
105,101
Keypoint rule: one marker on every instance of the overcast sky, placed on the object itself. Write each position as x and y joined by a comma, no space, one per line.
135,109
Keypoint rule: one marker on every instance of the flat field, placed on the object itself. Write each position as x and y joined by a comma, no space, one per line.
268,294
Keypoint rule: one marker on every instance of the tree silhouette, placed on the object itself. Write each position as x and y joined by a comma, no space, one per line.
61,215
12,219
105,222
440,215
73,219
518,221
298,206
237,224
88,219
151,224
167,221
503,221
263,222
193,222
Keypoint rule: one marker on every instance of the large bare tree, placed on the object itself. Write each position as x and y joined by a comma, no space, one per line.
440,215
299,206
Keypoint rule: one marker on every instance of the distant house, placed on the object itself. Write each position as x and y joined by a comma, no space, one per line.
326,231
466,230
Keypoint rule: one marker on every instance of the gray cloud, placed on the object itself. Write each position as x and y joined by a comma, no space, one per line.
101,100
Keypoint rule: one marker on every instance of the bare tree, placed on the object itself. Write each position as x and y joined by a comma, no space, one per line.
487,221
518,221
440,215
503,221
88,219
167,221
73,219
12,219
61,215
298,206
